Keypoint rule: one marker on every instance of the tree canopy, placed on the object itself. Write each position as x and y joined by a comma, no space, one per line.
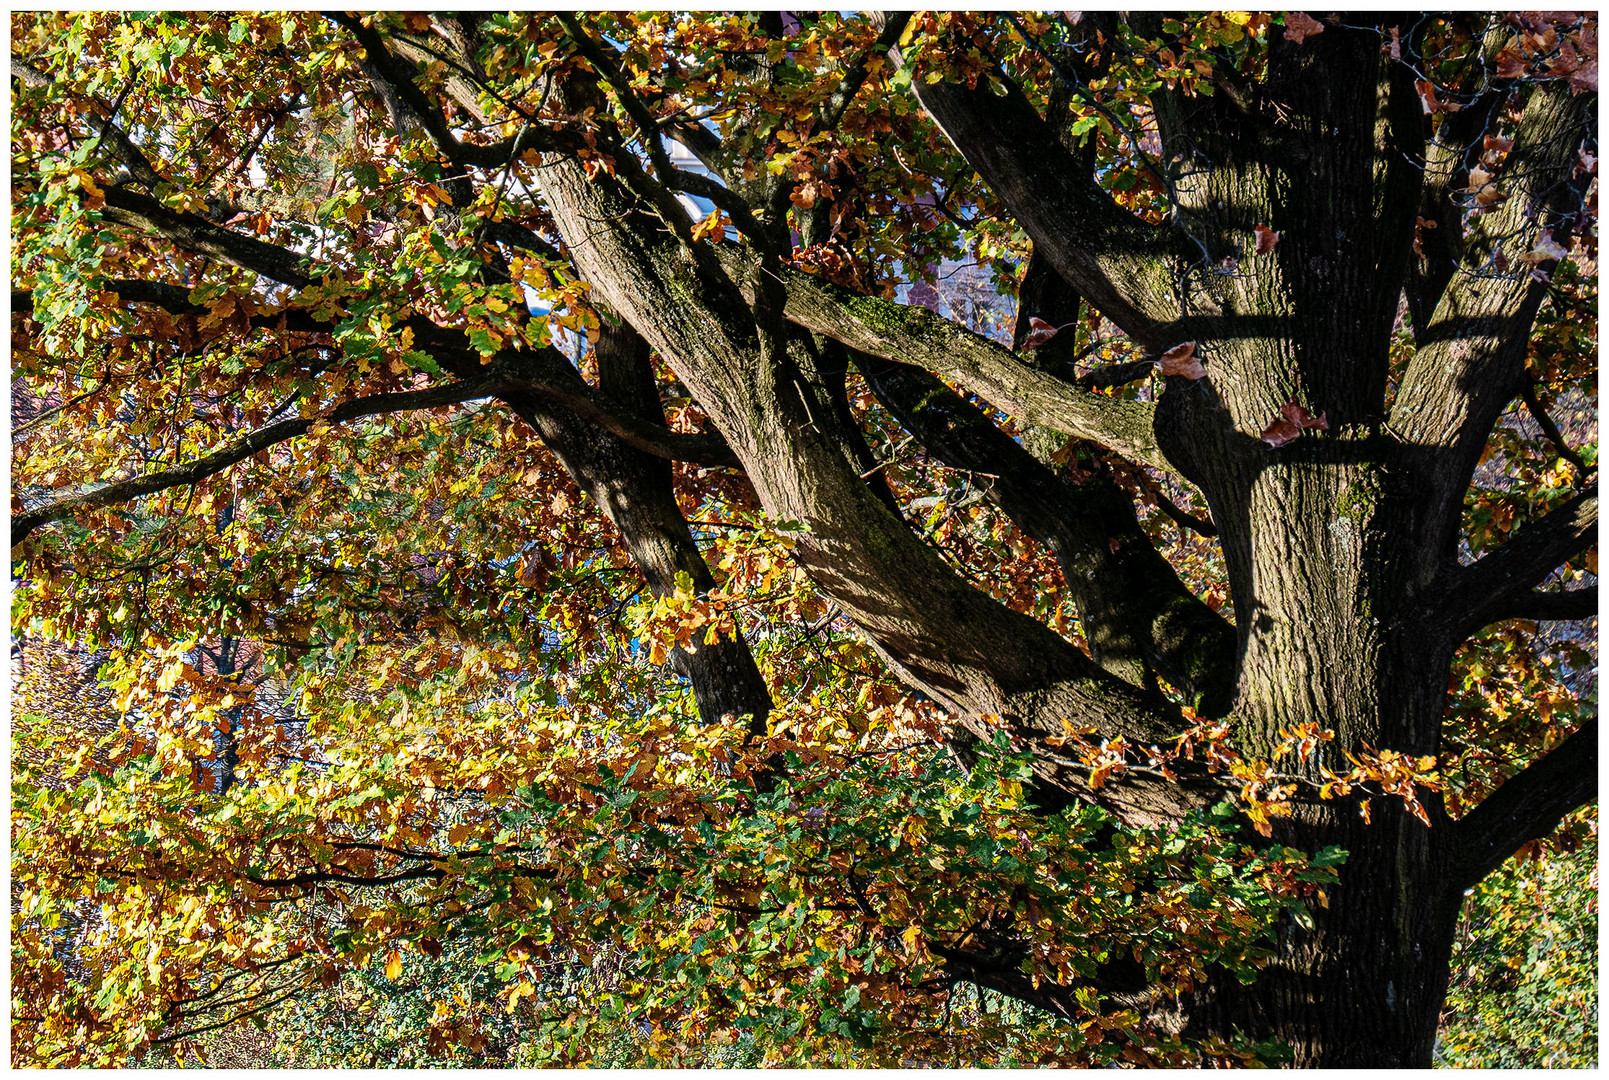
807,537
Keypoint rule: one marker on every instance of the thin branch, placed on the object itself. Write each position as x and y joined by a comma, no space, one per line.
48,413
319,877
1550,429
1528,807
164,1040
241,448
1500,585
1103,378
100,115
856,74
1183,518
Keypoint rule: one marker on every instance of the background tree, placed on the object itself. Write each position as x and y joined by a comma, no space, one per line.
415,351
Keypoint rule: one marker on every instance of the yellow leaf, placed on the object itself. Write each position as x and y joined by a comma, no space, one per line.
393,965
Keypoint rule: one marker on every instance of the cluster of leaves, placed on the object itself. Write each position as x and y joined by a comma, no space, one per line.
1525,968
801,891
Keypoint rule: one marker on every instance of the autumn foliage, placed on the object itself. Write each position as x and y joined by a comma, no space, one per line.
685,532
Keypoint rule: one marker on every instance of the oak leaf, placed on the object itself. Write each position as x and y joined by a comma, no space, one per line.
1266,239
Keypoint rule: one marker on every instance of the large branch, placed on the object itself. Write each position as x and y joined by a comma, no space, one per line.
1569,605
1457,145
634,489
1471,357
993,665
1499,585
239,449
1528,807
192,232
913,335
1118,262
1137,615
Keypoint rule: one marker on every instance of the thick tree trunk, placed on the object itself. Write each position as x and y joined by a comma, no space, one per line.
1363,987
1337,628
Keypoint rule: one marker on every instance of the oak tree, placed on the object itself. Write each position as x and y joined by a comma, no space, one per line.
807,517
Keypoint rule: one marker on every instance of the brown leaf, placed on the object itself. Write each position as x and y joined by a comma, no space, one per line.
1430,102
1395,48
1481,186
1182,360
1585,78
1040,332
1298,415
1549,248
1289,424
1266,239
1421,226
1510,64
1585,163
1280,431
1300,26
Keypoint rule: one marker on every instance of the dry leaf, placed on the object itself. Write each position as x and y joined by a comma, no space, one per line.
1300,26
1585,163
1266,239
1182,360
1585,78
1289,424
1510,64
1040,332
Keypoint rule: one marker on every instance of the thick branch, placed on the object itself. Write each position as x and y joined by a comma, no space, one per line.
913,335
239,449
1448,157
938,632
634,489
1116,261
1471,355
1528,807
1138,616
392,79
1500,585
195,233
1565,606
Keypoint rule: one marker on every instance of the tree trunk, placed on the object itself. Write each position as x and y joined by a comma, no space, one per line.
1337,628
1364,985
